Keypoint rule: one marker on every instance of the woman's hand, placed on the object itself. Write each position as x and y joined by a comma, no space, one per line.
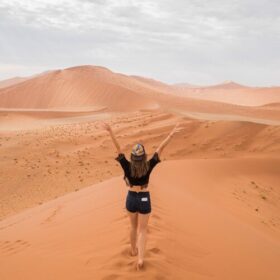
107,127
176,129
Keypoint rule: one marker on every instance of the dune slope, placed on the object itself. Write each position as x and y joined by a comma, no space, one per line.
232,93
71,153
98,87
192,235
12,81
74,87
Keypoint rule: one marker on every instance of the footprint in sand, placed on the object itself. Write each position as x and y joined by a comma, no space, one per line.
155,250
52,215
12,247
126,252
111,277
124,263
156,217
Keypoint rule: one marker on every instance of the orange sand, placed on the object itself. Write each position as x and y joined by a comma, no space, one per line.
232,93
199,229
215,195
12,81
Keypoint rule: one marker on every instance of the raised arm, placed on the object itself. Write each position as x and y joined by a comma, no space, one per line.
109,129
167,139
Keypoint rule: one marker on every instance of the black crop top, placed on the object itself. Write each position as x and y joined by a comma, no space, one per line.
126,168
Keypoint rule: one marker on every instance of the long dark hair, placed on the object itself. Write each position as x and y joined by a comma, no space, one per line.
139,168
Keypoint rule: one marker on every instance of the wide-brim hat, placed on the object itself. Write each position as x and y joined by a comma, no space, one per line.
138,152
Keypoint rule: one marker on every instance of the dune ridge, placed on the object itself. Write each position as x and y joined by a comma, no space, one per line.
232,93
84,86
12,81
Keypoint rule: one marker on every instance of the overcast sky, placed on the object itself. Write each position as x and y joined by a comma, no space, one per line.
193,41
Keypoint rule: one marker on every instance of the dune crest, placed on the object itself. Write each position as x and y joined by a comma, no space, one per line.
74,87
12,81
89,85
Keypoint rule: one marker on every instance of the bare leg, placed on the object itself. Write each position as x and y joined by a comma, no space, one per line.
133,232
142,236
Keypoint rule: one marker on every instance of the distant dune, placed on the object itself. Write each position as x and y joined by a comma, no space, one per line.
231,92
98,87
12,81
272,105
224,85
75,87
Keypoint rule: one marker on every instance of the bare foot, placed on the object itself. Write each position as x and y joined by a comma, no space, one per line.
140,264
134,252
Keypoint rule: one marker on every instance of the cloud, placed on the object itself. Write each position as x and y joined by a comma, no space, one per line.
175,41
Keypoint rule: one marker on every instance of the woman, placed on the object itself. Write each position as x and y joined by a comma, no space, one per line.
138,204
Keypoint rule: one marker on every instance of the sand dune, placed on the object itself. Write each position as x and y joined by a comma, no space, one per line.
227,85
228,92
85,86
39,118
215,195
232,93
74,87
12,81
275,106
62,154
193,233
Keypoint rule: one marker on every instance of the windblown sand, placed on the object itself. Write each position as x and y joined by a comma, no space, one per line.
215,195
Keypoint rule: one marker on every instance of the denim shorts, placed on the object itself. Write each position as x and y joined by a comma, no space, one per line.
138,202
